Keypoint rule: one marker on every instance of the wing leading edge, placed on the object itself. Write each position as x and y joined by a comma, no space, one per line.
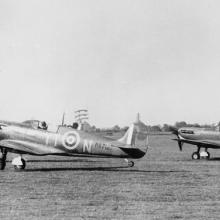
24,147
203,143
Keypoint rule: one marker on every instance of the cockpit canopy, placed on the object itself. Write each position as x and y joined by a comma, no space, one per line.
186,131
36,124
63,128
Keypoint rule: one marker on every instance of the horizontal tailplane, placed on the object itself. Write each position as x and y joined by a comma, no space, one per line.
135,153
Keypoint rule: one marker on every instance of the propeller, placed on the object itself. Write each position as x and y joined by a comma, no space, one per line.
175,131
180,143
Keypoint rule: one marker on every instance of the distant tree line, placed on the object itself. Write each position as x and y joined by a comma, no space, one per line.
179,124
155,128
164,127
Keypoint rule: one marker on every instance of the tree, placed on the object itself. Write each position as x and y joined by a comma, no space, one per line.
125,128
116,128
166,128
180,124
155,128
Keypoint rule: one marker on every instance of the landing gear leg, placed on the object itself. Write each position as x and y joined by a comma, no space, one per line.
19,163
129,162
3,158
208,154
196,155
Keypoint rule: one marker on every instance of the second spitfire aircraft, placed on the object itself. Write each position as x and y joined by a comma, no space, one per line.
200,137
32,137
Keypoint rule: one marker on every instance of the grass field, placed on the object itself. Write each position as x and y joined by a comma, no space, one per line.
165,184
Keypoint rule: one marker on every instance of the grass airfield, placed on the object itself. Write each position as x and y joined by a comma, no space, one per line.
165,184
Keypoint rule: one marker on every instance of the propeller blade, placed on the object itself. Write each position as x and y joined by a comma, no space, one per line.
174,130
180,145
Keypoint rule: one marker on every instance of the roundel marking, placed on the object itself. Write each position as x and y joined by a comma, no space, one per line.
71,140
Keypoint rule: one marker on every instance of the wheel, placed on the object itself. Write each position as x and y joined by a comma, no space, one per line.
130,163
195,156
208,155
20,167
2,164
3,154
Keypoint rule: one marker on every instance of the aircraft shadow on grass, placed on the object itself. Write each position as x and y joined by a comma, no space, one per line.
205,160
215,159
62,161
108,169
58,161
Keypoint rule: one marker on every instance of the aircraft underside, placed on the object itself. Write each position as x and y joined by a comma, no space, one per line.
19,162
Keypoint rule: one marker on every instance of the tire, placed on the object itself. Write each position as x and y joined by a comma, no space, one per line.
130,163
24,163
2,164
208,157
195,156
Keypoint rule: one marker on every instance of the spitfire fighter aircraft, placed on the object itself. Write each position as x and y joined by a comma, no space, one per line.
200,137
32,137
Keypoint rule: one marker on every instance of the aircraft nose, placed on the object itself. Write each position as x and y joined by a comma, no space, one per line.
177,131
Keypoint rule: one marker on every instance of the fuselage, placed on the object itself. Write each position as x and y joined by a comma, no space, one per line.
198,134
66,141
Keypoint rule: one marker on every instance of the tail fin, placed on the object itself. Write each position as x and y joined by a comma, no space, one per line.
136,135
128,137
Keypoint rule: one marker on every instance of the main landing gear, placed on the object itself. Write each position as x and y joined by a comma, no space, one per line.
203,154
3,156
129,162
19,163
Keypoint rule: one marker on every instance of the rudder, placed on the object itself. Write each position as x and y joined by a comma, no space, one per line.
136,135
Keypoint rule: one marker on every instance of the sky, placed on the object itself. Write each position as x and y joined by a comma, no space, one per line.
160,58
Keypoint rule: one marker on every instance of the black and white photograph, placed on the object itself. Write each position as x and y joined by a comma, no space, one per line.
109,109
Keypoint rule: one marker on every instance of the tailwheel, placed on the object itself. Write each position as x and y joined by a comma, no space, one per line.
131,163
19,163
195,156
